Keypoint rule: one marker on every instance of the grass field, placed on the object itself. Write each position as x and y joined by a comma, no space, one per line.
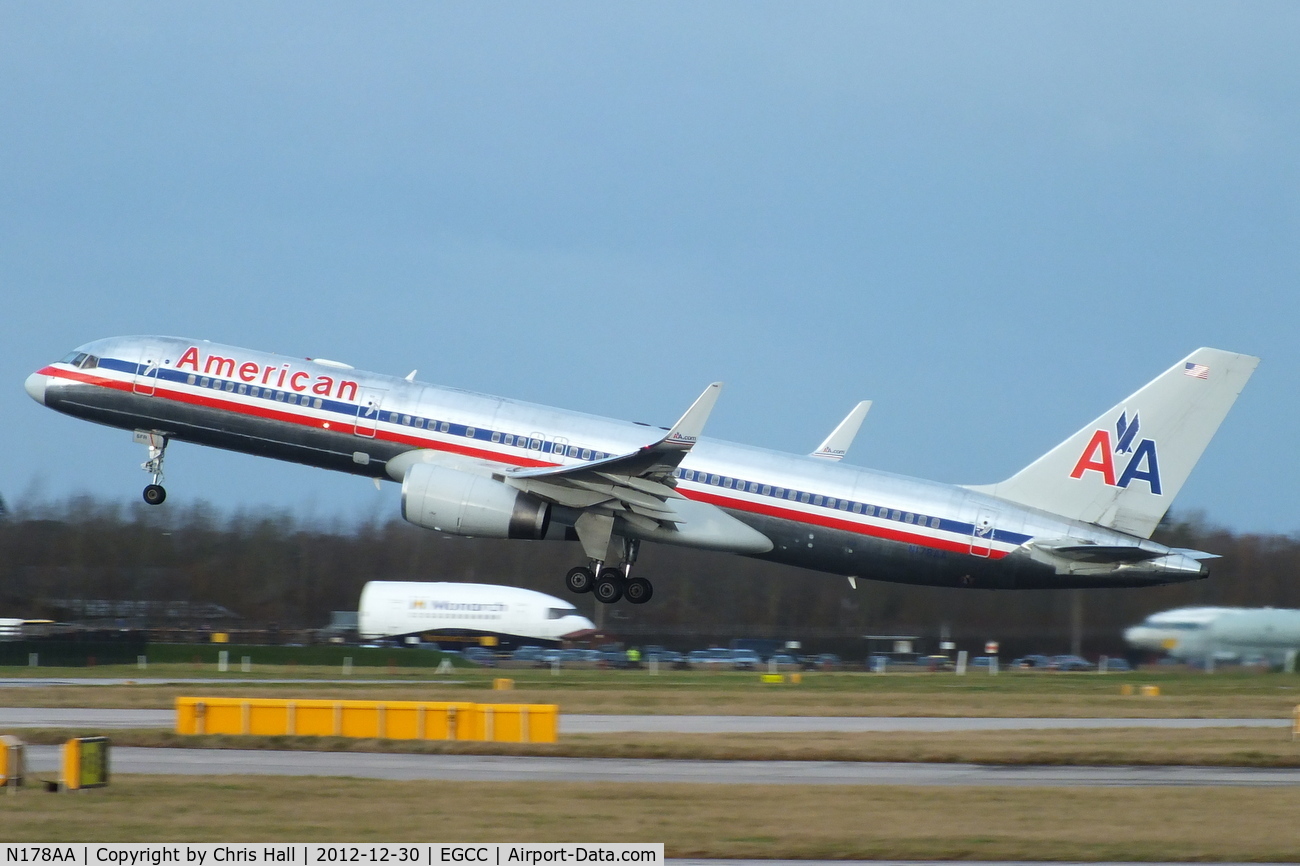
1125,824
723,821
1010,694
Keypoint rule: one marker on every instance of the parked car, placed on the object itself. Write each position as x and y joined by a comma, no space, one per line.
714,658
1031,661
935,663
527,654
784,660
480,656
745,659
1070,663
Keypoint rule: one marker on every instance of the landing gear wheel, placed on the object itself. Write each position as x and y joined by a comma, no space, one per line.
638,590
579,580
609,586
154,494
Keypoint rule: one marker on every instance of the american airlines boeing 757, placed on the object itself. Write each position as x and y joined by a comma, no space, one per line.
474,465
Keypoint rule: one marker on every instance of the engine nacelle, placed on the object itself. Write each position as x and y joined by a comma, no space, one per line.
463,504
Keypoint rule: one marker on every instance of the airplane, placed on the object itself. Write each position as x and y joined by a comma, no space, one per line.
475,465
1207,634
392,608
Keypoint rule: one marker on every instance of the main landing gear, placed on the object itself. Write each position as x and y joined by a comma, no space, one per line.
611,584
155,493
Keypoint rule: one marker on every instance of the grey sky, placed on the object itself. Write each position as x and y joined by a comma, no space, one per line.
995,220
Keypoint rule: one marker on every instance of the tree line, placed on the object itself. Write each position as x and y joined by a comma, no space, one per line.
277,569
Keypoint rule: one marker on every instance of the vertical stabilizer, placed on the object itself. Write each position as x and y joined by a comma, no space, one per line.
1125,468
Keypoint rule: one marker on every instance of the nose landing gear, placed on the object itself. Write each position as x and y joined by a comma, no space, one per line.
155,493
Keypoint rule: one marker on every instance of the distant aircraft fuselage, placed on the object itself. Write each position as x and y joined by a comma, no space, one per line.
476,465
391,608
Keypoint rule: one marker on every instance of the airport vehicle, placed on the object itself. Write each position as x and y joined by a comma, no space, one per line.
930,663
391,608
1202,634
475,465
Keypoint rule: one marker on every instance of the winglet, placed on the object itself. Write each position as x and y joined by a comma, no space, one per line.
689,427
837,444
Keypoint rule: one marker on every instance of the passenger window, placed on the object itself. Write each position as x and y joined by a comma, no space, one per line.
317,403
496,437
727,483
907,517
767,489
230,386
444,427
586,453
419,423
804,498
857,508
934,523
243,389
715,480
189,380
205,382
830,501
256,392
535,444
279,396
510,439
469,431
896,515
406,419
871,511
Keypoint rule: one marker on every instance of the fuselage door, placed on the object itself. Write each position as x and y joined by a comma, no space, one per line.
146,375
368,411
981,539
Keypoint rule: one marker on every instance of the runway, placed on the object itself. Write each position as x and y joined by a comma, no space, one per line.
71,717
480,768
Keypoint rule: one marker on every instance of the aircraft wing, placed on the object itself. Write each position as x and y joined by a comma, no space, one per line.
636,486
837,444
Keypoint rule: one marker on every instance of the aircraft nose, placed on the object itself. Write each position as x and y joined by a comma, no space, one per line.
35,386
1138,636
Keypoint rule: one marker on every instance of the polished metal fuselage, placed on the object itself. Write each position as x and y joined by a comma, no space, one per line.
818,515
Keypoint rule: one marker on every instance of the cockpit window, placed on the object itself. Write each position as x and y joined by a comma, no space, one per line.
80,359
560,612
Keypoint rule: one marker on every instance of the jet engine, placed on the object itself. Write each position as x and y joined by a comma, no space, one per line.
459,503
